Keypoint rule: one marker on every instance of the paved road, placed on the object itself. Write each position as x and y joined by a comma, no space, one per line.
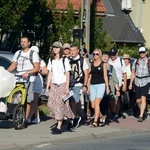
40,134
125,142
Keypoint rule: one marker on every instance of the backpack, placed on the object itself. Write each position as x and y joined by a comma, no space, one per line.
110,70
30,56
73,78
148,64
74,74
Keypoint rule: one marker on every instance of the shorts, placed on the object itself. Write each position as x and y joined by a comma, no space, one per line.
76,96
141,91
30,94
97,91
37,85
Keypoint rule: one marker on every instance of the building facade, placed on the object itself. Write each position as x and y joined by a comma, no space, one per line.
140,17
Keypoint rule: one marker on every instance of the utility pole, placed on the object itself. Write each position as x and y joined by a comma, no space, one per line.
140,15
85,24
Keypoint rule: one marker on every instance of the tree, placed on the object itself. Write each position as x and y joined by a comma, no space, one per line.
11,13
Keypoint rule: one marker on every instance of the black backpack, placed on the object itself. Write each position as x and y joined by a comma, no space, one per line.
75,76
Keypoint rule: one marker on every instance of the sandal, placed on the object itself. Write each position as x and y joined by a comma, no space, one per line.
102,121
94,124
88,114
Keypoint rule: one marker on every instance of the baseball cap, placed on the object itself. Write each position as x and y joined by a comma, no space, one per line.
126,56
66,45
142,49
57,44
113,51
35,48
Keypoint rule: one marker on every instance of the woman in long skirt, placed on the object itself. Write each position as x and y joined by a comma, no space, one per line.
58,86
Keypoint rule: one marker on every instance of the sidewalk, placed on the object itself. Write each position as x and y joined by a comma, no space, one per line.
37,135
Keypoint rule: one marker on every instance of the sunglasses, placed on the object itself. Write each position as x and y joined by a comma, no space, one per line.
141,52
95,54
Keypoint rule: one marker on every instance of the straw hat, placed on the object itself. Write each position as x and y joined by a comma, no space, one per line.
126,56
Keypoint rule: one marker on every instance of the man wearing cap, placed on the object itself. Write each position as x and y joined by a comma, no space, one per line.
141,78
120,68
66,48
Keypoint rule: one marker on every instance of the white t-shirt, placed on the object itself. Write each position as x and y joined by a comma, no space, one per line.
42,63
120,69
23,62
128,71
58,70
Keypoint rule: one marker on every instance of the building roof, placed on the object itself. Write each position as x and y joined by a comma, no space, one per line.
62,5
119,25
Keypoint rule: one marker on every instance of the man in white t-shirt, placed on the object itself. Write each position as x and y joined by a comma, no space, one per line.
26,68
120,68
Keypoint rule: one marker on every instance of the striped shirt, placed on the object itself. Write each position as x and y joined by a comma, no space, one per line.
140,67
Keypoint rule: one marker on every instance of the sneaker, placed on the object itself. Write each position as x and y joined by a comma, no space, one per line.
77,122
56,131
112,117
140,119
70,125
25,123
29,120
36,121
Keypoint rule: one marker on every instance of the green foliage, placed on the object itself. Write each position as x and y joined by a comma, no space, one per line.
98,36
101,39
63,22
11,13
131,50
48,25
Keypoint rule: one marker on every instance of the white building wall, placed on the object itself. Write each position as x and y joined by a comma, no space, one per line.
142,20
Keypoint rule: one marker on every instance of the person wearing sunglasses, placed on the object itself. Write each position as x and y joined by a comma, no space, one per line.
141,78
98,83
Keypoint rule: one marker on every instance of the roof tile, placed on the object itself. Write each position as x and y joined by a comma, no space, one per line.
62,5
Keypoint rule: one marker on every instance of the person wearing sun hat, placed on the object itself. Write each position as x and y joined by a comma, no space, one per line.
37,89
141,78
58,86
57,44
129,93
66,48
126,58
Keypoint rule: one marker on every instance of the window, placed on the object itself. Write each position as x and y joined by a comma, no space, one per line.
4,62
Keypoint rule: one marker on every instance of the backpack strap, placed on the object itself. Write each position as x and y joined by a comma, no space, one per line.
136,63
81,63
111,68
19,54
148,65
63,60
121,61
30,56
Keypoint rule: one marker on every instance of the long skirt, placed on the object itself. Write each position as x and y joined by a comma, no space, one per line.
58,108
